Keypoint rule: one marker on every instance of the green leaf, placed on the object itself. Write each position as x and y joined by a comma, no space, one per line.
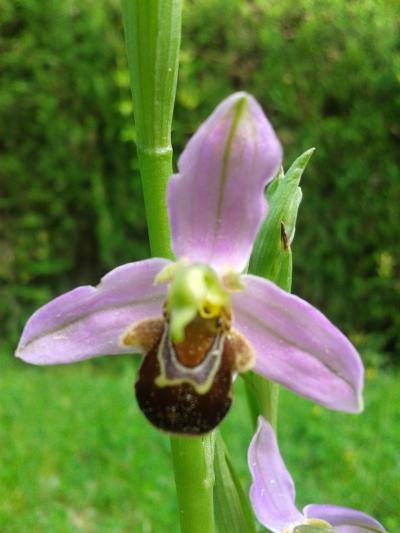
232,509
272,259
152,34
262,397
272,255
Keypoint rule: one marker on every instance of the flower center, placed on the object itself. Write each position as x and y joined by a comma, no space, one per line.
194,290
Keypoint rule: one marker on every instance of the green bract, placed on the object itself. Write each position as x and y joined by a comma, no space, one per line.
272,255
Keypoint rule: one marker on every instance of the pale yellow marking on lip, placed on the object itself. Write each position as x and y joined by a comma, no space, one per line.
201,388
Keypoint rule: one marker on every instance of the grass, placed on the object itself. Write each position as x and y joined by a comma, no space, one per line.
77,456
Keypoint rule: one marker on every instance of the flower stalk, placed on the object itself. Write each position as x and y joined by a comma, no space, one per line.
193,459
155,167
152,34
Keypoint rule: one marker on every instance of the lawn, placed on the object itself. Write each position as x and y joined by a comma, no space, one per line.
77,455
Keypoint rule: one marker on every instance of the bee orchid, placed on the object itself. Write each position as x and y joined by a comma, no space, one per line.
198,321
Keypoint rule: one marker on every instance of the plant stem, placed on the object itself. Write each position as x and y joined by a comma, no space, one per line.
193,459
263,396
155,168
152,33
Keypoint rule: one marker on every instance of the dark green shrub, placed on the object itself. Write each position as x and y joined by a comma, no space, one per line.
328,75
70,200
326,72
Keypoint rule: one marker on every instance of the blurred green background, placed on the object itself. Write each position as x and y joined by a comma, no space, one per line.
327,73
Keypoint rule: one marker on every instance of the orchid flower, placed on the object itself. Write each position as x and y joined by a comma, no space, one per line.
272,495
199,321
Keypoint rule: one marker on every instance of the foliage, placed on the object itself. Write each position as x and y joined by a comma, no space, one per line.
327,73
70,208
313,67
86,461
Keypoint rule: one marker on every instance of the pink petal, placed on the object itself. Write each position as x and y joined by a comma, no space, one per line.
344,519
216,202
297,346
88,321
272,491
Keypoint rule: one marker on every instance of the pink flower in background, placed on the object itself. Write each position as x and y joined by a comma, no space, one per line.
198,321
272,496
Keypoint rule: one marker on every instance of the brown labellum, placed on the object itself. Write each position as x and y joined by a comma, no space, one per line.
185,387
181,408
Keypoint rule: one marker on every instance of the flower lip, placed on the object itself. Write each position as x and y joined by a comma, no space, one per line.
186,399
195,363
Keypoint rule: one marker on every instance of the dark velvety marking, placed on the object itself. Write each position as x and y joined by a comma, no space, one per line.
284,237
179,408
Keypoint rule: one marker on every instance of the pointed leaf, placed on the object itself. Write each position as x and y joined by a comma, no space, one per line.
232,509
271,257
152,36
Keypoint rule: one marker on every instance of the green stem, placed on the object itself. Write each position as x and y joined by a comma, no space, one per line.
155,168
262,396
268,398
152,34
193,459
